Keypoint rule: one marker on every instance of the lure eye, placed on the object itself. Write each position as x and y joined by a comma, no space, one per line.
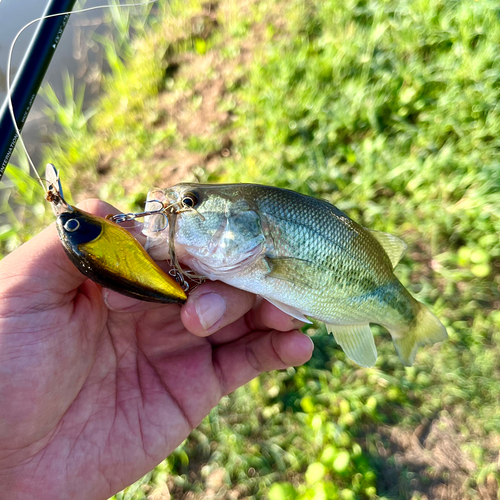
190,200
71,225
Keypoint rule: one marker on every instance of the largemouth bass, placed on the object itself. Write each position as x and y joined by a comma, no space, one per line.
300,253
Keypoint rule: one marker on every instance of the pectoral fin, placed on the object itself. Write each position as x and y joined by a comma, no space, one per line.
392,245
296,271
292,311
357,342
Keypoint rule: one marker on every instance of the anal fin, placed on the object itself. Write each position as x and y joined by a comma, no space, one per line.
357,342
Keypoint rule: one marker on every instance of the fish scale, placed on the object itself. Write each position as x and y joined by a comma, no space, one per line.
302,254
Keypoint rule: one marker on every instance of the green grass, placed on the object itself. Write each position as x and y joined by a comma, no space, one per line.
389,109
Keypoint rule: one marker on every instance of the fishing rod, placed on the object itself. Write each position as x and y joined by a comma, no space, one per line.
100,249
30,75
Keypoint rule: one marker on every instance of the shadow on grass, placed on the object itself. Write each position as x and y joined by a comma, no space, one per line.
428,462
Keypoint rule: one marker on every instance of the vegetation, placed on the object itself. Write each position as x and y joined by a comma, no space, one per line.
388,109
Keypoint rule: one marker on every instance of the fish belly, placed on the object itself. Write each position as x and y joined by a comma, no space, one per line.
389,304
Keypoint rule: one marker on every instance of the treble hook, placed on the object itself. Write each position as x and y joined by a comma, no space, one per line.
120,218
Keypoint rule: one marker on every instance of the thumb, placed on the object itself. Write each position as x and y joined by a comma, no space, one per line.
41,264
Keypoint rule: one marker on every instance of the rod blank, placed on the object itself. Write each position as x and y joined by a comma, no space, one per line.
30,76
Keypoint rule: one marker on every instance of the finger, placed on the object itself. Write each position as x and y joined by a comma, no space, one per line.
97,207
264,316
41,265
267,315
217,308
239,362
214,305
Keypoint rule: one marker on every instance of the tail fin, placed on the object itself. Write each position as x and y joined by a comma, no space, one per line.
426,329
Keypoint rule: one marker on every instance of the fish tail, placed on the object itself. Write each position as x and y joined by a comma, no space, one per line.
425,329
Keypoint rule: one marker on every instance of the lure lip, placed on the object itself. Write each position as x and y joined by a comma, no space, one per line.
54,194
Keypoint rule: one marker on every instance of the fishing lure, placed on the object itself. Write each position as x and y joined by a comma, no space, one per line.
107,253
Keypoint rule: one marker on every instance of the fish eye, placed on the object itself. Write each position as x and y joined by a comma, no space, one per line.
190,200
71,225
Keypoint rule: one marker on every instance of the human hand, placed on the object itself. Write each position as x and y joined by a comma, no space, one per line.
96,388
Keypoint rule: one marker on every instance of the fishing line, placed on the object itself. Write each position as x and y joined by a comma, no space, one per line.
9,61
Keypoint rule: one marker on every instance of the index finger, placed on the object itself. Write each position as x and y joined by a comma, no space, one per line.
225,313
40,265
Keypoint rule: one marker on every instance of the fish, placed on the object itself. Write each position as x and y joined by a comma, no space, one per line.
300,253
107,253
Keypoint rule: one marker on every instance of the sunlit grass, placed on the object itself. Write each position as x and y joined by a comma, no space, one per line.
388,109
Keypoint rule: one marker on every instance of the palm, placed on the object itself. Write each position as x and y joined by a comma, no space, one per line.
96,397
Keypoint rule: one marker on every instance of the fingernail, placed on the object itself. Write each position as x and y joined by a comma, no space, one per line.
296,323
210,308
311,342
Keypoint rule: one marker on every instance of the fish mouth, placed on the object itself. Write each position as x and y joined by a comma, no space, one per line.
216,266
155,223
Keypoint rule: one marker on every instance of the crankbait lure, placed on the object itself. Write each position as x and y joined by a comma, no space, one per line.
108,254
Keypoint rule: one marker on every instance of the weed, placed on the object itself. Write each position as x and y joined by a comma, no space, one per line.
389,109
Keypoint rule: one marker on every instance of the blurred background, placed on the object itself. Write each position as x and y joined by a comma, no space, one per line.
387,108
79,55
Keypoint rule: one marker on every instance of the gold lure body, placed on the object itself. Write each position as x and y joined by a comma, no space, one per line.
108,254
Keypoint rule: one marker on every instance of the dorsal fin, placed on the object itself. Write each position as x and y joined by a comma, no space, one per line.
393,246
